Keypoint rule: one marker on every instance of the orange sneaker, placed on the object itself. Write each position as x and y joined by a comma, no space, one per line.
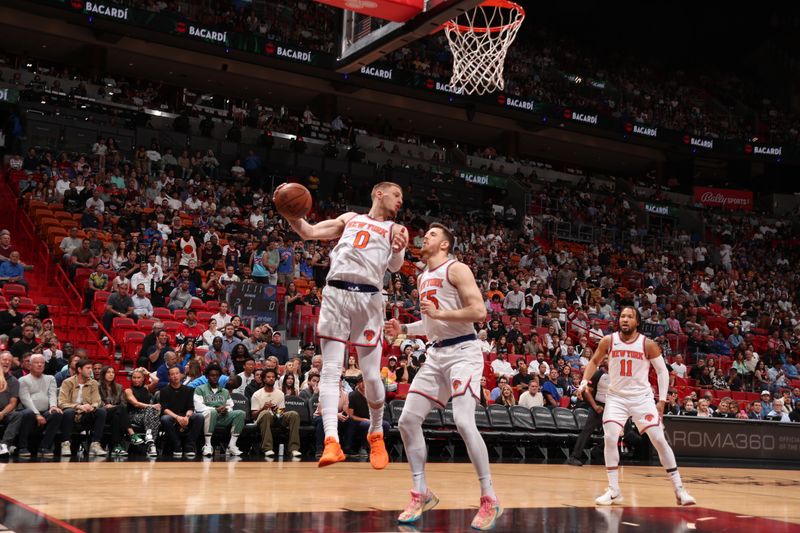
332,454
378,457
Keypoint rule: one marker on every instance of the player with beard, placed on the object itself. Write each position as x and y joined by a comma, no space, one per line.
353,310
450,302
630,356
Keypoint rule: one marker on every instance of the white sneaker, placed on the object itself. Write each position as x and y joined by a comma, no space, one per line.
3,449
609,498
208,450
269,453
684,498
66,449
296,453
233,450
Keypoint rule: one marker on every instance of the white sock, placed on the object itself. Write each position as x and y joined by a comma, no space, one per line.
420,485
613,479
233,441
675,477
487,489
376,419
208,439
148,436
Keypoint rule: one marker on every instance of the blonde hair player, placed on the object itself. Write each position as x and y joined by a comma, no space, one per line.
352,308
630,356
450,302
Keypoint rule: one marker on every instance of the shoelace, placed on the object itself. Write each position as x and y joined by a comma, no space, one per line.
486,506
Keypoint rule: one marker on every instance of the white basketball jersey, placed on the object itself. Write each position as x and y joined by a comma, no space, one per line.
628,368
363,251
434,285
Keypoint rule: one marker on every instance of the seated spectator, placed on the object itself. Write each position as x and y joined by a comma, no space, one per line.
142,307
10,417
162,372
352,372
688,408
312,298
501,367
141,410
214,402
551,391
180,297
247,375
507,396
256,343
190,328
522,378
98,281
82,257
778,413
359,422
734,381
212,332
26,343
154,355
119,304
112,396
498,390
532,397
703,408
12,271
267,407
754,411
277,349
222,317
311,386
254,385
178,417
216,354
794,416
38,396
229,338
79,399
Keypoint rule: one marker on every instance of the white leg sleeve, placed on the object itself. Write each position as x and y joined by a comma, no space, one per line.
332,361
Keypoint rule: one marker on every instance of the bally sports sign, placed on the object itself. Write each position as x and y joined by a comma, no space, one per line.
724,198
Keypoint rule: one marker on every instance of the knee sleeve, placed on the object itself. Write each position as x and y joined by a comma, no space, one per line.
612,432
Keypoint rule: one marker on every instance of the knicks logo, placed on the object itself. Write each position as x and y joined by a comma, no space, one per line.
456,384
369,335
649,418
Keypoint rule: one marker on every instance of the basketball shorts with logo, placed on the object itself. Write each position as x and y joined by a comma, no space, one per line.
642,410
450,371
354,316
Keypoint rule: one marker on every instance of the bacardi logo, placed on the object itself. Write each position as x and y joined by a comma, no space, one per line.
375,72
580,117
76,4
701,143
518,103
644,130
293,54
269,48
768,150
430,84
208,35
180,27
107,11
445,88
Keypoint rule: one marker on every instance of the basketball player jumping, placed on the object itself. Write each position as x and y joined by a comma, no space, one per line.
630,356
352,308
450,302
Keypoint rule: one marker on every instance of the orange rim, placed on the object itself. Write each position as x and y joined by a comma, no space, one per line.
493,29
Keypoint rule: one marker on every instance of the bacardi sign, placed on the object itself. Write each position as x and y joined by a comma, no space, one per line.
771,151
200,32
698,142
585,118
376,72
105,10
518,103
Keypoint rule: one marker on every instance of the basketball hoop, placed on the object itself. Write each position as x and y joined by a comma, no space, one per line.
479,40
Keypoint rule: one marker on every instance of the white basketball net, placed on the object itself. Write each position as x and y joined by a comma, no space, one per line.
479,40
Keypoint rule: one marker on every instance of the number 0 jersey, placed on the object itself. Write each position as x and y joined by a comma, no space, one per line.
434,285
363,251
629,368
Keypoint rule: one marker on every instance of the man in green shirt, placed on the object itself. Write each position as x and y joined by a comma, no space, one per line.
215,404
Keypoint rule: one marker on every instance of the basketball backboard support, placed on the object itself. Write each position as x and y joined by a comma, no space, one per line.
365,39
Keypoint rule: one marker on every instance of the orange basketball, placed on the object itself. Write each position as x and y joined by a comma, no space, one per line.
292,200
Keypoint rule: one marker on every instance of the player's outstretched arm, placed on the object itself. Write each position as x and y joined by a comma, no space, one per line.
473,309
321,231
392,328
597,358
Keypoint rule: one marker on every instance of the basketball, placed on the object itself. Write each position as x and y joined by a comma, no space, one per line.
292,200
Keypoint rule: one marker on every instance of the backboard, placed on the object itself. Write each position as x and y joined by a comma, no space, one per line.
365,39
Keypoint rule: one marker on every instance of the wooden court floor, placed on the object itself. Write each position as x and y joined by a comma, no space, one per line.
79,490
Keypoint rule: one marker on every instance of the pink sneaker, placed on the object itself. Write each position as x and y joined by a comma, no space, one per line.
488,514
419,504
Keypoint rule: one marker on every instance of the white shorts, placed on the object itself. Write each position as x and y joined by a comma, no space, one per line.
641,409
351,316
450,371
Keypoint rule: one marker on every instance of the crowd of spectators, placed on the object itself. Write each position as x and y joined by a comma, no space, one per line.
546,66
